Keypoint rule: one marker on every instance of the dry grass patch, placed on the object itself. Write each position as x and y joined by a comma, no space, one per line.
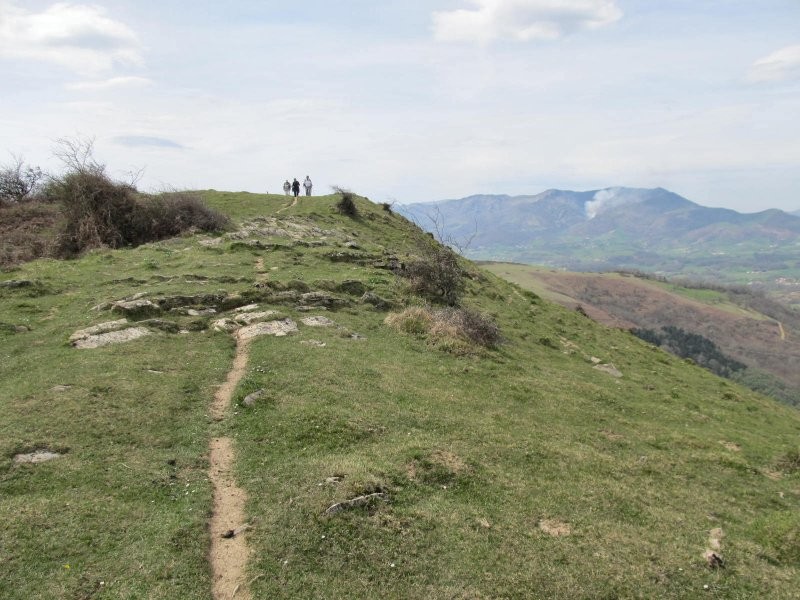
456,330
555,528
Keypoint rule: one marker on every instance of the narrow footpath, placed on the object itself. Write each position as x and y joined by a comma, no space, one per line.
229,551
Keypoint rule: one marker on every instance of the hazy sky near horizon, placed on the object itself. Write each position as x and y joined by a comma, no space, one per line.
416,100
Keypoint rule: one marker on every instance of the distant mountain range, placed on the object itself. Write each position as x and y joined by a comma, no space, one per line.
614,228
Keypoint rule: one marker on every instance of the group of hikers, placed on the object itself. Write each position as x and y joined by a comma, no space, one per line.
294,187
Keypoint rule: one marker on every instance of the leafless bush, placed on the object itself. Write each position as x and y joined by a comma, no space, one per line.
436,273
19,182
101,212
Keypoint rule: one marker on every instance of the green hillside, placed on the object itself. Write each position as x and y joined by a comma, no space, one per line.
571,461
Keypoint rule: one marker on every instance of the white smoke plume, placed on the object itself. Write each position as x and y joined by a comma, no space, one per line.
602,200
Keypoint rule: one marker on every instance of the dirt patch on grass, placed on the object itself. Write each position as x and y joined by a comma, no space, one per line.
555,528
733,447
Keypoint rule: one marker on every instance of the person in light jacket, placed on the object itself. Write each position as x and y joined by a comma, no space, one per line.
287,187
308,185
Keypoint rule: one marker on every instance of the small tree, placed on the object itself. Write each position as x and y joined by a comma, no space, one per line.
18,181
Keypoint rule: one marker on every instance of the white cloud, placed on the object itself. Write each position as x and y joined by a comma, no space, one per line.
523,20
109,84
781,65
77,36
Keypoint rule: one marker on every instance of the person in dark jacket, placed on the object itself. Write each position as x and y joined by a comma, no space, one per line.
296,188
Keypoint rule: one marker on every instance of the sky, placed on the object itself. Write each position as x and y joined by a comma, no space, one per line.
414,100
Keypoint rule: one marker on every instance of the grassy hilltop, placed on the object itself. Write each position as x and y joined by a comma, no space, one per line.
529,470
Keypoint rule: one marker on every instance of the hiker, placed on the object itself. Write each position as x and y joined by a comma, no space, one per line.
296,188
308,185
287,187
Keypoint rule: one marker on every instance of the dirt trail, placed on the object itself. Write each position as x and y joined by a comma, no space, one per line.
294,203
783,331
229,553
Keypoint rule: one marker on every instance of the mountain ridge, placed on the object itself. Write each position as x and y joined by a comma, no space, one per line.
613,228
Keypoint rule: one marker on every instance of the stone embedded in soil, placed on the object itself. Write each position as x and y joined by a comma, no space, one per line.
100,328
204,312
224,325
251,317
314,343
251,399
248,308
38,456
610,370
317,321
376,301
60,388
112,337
140,307
279,328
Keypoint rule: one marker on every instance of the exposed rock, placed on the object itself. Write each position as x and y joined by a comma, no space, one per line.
112,337
609,369
248,308
203,312
314,343
96,329
357,502
390,264
21,329
318,322
348,256
16,283
303,308
357,337
198,300
376,301
224,325
251,399
251,317
38,456
136,308
211,242
352,287
352,245
279,328
102,306
58,389
167,326
322,299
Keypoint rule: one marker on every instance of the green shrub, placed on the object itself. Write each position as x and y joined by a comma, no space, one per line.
346,204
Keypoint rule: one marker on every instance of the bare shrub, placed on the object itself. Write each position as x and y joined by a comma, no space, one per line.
346,204
100,212
436,274
473,325
387,207
19,182
27,231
